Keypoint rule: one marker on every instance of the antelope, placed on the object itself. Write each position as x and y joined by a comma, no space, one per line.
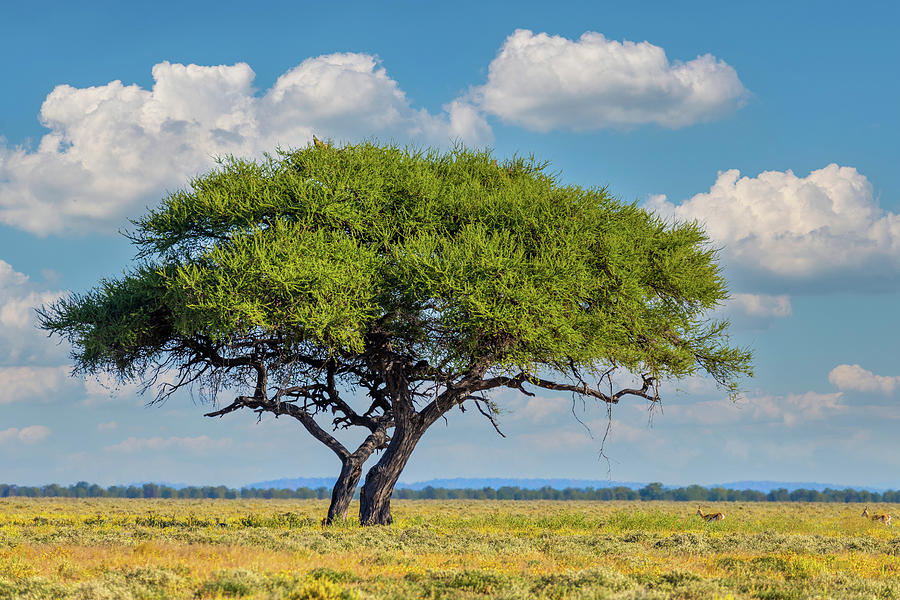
885,518
710,516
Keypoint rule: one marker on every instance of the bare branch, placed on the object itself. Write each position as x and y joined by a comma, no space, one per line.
647,390
489,415
239,402
284,408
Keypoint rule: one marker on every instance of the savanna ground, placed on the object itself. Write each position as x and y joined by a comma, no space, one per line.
114,548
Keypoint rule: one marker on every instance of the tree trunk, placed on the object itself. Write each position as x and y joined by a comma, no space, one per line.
375,498
351,471
343,491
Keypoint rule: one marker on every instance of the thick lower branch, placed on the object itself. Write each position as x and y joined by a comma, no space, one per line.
517,382
285,408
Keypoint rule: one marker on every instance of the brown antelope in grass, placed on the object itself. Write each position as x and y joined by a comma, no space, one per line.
710,516
885,518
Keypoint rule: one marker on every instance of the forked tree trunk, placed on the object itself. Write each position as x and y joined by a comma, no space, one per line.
343,491
375,497
351,471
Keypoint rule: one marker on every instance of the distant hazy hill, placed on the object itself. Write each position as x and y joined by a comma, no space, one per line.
526,484
768,486
458,483
295,483
174,486
559,484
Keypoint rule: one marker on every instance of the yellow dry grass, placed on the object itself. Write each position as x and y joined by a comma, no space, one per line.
278,548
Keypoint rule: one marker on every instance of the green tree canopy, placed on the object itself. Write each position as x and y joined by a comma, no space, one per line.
423,279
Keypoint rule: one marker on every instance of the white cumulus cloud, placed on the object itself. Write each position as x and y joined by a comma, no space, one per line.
103,387
536,409
197,444
40,383
26,435
553,441
20,341
798,229
620,431
546,82
857,379
114,149
789,410
754,311
761,305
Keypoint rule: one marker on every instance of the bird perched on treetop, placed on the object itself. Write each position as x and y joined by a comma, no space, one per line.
319,143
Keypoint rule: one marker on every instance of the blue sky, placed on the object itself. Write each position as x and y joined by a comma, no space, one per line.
776,124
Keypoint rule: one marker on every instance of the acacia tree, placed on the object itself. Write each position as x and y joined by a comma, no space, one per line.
421,281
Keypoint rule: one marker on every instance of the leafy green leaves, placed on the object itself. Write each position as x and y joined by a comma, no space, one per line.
313,284
455,257
116,327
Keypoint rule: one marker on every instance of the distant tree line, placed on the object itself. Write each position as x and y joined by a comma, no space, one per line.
653,491
83,489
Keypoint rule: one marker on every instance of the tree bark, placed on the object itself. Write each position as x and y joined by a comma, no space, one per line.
351,471
409,427
344,488
375,497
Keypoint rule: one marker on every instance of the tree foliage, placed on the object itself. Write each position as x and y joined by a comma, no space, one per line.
423,279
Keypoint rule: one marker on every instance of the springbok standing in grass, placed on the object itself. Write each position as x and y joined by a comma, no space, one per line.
885,518
710,516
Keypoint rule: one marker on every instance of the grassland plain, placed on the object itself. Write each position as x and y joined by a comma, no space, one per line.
160,549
